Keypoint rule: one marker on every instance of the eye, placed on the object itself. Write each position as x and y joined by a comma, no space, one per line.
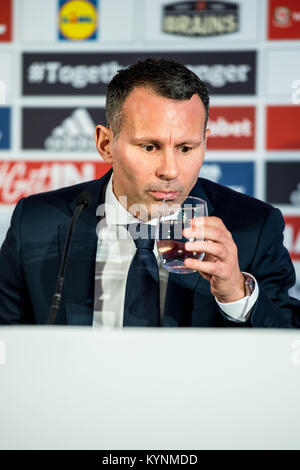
148,148
185,149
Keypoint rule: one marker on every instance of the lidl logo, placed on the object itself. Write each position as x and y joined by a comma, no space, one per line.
78,20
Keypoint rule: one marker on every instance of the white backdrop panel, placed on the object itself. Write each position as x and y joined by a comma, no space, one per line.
283,67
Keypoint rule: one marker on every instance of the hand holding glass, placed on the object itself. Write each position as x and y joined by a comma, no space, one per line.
172,220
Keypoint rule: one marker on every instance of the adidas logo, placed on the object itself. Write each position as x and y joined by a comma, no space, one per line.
76,133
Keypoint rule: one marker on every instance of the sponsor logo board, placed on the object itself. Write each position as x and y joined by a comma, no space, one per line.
61,129
201,21
224,72
6,21
77,20
41,22
4,128
200,18
292,236
283,183
21,178
232,128
283,128
238,176
292,243
284,19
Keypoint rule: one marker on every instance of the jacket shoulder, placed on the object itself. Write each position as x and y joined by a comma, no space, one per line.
222,197
66,194
42,208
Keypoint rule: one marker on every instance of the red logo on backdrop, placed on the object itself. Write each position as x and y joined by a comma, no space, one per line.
283,128
284,19
292,236
6,20
19,179
201,5
231,128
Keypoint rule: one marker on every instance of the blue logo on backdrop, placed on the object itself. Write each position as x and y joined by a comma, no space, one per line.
237,176
4,128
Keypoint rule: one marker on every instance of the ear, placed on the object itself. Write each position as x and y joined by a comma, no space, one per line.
207,133
104,139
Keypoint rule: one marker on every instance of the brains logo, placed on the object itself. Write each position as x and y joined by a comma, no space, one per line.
77,20
197,18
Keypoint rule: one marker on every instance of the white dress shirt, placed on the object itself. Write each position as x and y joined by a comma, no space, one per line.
115,251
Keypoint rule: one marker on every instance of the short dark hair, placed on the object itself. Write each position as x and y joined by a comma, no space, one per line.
165,77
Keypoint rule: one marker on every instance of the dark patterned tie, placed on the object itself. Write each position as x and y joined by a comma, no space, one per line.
141,307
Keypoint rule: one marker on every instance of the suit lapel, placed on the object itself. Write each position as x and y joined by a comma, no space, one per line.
80,275
179,295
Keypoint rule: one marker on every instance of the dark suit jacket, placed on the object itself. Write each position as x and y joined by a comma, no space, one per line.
31,254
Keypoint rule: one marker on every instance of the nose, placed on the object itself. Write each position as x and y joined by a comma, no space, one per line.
168,166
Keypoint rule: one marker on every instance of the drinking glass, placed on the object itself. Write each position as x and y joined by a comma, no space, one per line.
172,220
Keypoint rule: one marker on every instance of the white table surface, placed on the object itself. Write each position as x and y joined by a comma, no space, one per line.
84,388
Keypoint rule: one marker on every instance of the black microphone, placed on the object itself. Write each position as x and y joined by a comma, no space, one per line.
83,201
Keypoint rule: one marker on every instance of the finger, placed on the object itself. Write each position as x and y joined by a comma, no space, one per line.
209,221
215,249
205,276
207,267
209,233
205,223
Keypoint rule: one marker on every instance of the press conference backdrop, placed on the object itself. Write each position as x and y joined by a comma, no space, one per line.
57,56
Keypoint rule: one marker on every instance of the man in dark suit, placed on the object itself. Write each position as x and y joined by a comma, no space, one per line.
155,140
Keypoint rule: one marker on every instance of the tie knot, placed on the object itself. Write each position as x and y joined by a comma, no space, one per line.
142,236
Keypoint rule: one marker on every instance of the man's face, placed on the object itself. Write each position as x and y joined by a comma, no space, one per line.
160,148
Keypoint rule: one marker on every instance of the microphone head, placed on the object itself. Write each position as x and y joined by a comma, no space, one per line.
84,198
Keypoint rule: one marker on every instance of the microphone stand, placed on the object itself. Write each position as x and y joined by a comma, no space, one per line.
83,202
